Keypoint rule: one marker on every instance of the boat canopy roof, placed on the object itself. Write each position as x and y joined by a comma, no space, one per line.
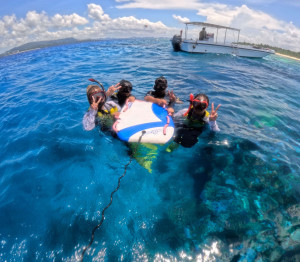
211,25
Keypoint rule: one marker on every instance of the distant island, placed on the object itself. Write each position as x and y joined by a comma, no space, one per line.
278,50
43,44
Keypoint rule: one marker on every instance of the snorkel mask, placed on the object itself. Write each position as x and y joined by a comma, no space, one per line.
160,86
96,94
125,90
197,104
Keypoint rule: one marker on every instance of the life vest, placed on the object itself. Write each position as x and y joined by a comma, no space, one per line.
107,112
196,122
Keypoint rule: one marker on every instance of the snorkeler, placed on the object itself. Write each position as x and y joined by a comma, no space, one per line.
190,122
105,106
158,96
124,93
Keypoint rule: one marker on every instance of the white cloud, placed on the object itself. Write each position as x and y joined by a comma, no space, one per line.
256,26
40,26
36,27
34,19
131,27
68,20
161,4
9,20
181,19
96,12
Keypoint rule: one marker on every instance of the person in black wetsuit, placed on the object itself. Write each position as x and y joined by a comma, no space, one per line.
159,95
189,123
105,106
124,93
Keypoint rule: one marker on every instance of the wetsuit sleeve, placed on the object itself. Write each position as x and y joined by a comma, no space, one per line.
89,120
150,93
213,125
180,113
171,104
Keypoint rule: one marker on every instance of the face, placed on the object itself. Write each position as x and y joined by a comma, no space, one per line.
200,104
126,88
160,87
95,95
161,84
126,91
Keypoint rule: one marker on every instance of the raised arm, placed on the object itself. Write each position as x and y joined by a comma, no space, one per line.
213,118
89,117
113,89
158,101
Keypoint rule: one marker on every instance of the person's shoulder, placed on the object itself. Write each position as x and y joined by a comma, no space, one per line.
180,113
150,93
113,97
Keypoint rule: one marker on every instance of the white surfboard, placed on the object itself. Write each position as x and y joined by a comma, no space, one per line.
139,116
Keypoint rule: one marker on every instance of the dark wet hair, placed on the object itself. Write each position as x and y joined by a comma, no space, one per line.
197,97
126,86
202,95
124,91
161,83
160,87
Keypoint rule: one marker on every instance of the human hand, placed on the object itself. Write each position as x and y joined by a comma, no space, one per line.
116,115
131,99
113,89
172,96
170,111
213,115
161,102
95,104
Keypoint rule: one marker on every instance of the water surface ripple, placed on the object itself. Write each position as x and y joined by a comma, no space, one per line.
234,196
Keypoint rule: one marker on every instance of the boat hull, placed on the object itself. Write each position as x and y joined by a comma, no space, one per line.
203,48
176,42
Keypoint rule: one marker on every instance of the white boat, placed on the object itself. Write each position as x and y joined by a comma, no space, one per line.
210,43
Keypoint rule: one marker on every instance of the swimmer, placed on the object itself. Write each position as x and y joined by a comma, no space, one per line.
124,93
190,122
158,96
103,106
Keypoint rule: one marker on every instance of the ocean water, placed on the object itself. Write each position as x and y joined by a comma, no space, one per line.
234,196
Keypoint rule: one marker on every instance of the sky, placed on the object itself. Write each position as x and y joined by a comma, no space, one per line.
273,22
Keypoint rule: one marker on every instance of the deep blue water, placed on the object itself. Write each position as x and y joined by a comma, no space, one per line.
234,196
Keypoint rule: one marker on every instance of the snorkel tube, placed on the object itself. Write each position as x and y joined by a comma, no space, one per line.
191,104
95,81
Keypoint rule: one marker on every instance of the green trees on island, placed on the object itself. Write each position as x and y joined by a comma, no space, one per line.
276,49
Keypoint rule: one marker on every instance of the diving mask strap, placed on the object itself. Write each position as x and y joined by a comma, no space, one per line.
95,81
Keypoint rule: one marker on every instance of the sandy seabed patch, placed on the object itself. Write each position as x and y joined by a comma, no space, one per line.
291,57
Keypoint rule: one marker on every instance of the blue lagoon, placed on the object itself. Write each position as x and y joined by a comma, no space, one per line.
234,196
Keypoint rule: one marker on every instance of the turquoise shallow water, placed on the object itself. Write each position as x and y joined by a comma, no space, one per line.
234,196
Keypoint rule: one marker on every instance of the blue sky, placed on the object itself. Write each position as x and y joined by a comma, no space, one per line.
272,22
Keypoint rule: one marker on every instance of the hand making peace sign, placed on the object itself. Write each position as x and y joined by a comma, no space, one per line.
213,115
95,104
113,89
172,96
